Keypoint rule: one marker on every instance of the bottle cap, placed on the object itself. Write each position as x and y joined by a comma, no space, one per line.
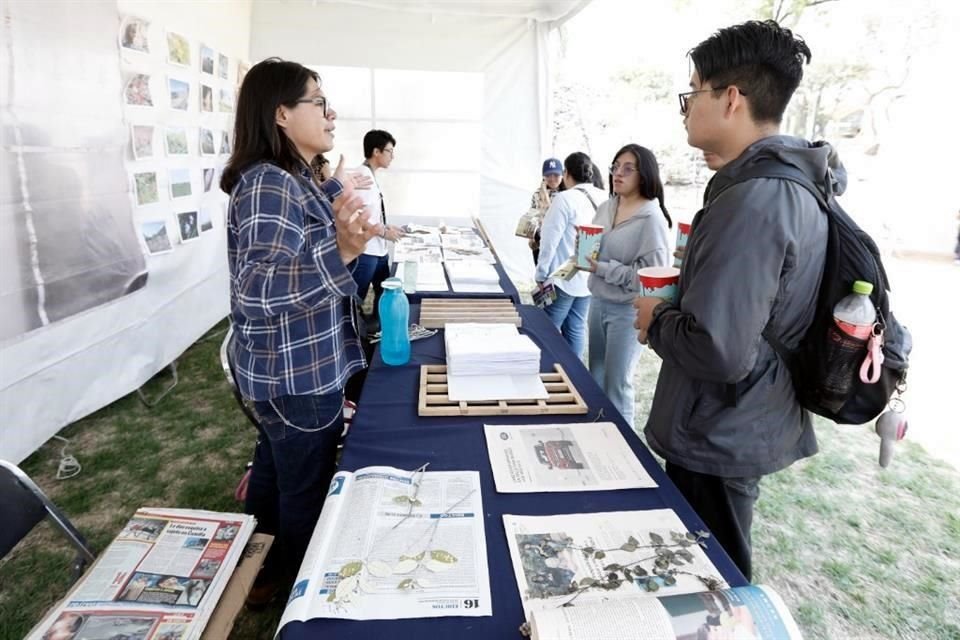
861,286
392,283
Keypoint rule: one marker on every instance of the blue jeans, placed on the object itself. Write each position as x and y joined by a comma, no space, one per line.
371,270
614,351
293,464
569,315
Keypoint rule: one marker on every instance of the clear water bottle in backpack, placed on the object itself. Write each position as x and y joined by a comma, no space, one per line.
854,317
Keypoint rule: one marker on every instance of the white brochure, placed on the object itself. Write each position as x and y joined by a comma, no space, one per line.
590,456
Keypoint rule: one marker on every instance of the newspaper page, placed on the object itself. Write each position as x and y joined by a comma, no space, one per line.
565,558
740,613
160,579
417,252
392,544
588,456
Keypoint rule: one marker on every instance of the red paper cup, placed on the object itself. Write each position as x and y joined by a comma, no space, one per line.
588,244
659,282
683,236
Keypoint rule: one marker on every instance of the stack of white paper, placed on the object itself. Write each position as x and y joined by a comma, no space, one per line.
424,276
491,362
467,271
473,277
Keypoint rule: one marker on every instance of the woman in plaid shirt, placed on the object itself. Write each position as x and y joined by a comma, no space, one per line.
290,240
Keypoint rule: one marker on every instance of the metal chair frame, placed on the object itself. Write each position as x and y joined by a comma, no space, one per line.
29,491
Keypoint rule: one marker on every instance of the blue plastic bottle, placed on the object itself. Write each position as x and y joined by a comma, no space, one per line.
394,318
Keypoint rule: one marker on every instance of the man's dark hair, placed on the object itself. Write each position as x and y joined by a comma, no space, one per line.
579,167
762,59
376,139
256,135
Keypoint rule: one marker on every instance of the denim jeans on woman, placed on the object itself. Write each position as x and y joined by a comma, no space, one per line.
569,315
614,351
293,464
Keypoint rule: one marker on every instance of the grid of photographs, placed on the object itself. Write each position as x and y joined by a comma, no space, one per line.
179,96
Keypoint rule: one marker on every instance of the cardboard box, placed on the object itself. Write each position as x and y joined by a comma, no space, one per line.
231,602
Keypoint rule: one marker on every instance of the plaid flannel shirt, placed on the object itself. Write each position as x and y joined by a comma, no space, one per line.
292,299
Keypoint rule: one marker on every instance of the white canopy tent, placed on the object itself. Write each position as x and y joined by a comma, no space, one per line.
462,85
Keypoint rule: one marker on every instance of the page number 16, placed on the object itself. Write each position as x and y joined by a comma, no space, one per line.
471,604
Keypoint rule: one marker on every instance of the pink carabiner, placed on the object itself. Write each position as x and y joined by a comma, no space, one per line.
870,369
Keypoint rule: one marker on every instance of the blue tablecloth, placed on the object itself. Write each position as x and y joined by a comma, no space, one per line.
509,291
388,431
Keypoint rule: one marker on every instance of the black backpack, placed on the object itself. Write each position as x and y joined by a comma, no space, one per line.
851,255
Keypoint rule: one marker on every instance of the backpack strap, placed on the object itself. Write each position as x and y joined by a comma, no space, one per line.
589,197
780,171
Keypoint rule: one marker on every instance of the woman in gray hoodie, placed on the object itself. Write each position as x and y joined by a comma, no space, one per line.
635,235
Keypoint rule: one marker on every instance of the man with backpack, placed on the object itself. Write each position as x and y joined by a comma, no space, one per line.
725,412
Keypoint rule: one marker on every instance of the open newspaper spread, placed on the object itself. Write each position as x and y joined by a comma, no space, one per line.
160,579
740,613
588,456
394,543
568,559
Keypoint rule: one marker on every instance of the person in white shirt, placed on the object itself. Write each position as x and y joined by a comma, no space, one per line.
373,266
576,204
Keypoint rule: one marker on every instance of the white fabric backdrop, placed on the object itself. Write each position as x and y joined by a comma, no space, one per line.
58,373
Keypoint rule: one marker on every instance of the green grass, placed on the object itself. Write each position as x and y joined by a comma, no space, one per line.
189,451
856,551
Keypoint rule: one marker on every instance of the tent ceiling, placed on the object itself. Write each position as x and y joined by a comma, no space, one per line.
539,10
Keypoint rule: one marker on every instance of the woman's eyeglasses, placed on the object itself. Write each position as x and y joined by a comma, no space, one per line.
625,169
317,102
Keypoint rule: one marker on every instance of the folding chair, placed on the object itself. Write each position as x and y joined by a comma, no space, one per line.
23,505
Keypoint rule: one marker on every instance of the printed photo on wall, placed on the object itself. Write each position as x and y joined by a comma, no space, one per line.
206,223
224,143
141,140
242,68
207,144
207,57
206,98
178,49
224,66
208,179
133,34
145,185
155,236
180,183
137,91
226,100
179,94
187,225
175,140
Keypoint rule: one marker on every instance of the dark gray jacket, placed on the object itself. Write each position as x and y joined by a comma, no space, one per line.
756,252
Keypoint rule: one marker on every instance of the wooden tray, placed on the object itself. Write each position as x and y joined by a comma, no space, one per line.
563,398
436,312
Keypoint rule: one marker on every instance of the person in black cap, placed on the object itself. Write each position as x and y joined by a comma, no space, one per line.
552,183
